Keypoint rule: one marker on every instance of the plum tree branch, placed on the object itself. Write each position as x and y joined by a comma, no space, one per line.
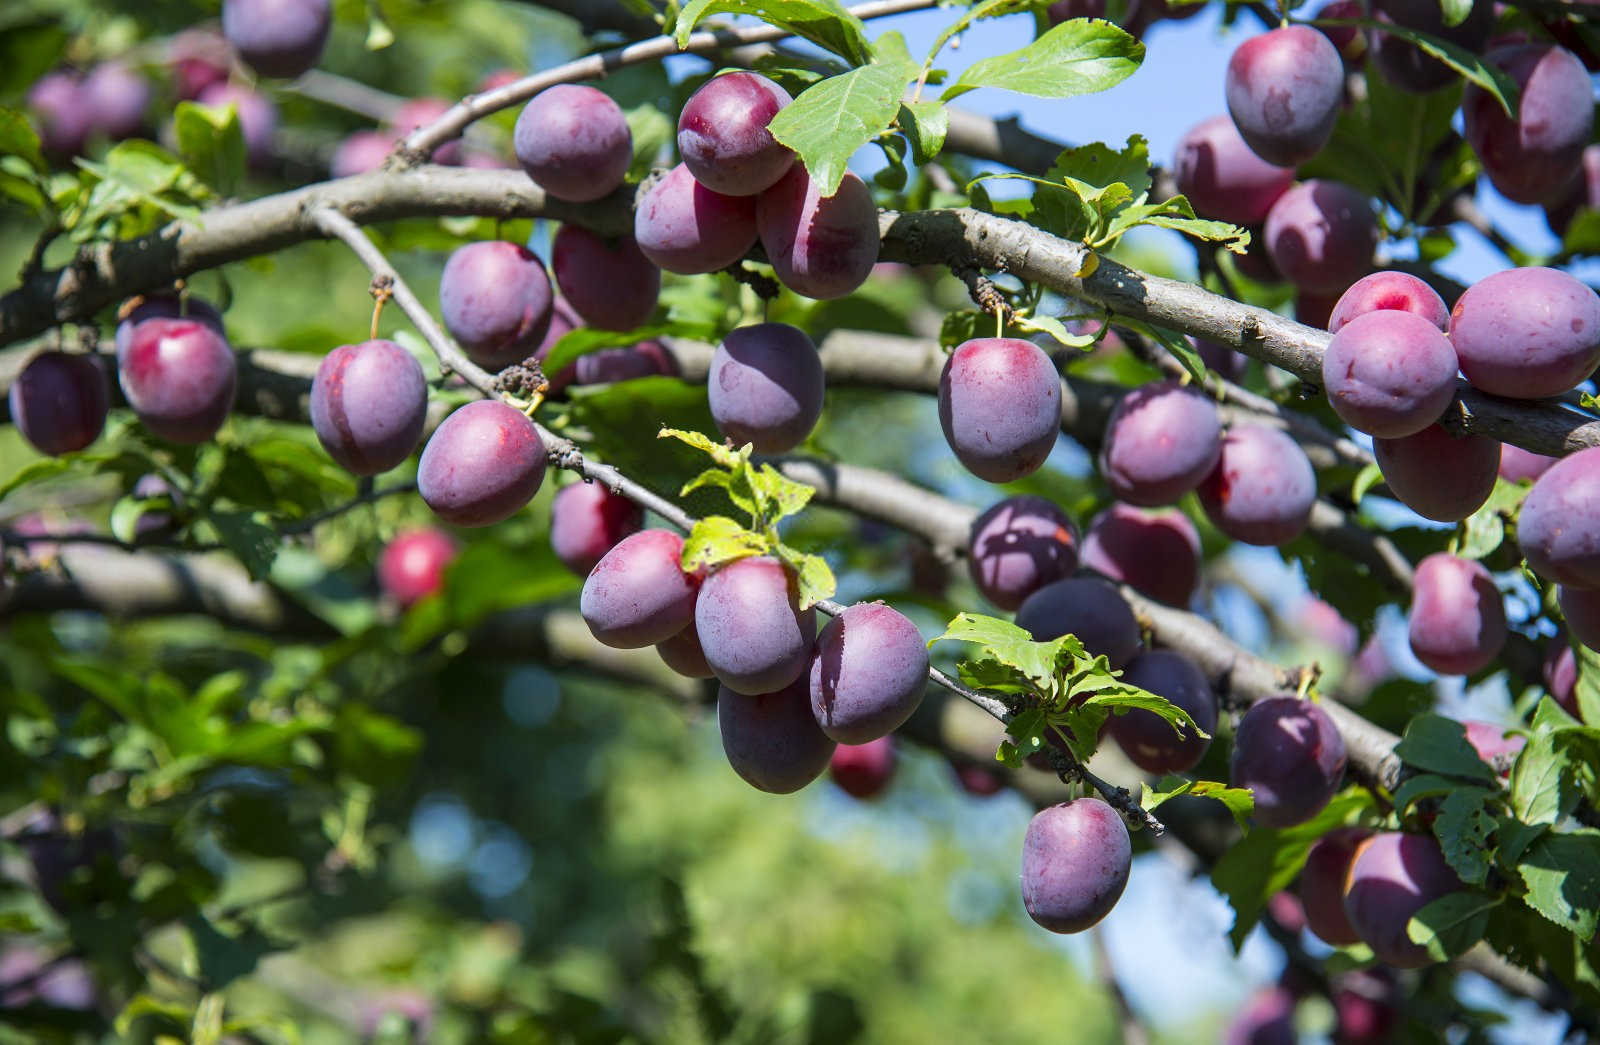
421,143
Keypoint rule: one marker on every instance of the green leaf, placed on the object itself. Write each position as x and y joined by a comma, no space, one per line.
1541,792
1012,646
717,539
826,23
1178,214
1485,529
834,117
1265,861
1562,875
1369,476
211,142
37,471
1583,234
1422,785
225,958
1076,57
1057,331
250,536
925,125
1472,67
1449,926
1439,744
1587,691
1238,800
1463,827
1455,12
379,35
1514,838
19,139
813,576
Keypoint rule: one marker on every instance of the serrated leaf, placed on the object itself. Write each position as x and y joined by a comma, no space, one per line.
1587,690
1013,646
1238,800
716,540
1449,926
1562,875
778,495
825,23
1514,837
1439,744
1472,67
925,124
1463,827
833,118
1076,57
1540,792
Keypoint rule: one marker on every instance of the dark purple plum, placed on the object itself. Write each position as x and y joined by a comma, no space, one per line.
1150,741
586,521
723,138
368,405
1019,545
1314,310
1389,291
1491,741
496,300
1266,1019
63,115
1223,178
117,98
1389,373
754,634
482,465
412,565
281,38
646,359
1393,877
258,117
1346,39
1437,475
1527,333
1322,885
1157,553
1457,622
684,227
1284,90
1581,607
1321,235
1582,191
363,151
1531,158
682,653
1089,608
820,246
179,377
765,387
771,740
197,58
1289,754
1366,1003
164,306
1263,487
59,402
1557,525
638,595
1403,63
1559,670
1517,464
1000,407
868,673
1161,441
610,284
1075,861
863,770
574,143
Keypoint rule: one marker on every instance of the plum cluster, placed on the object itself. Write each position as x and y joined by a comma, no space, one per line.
735,185
787,695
